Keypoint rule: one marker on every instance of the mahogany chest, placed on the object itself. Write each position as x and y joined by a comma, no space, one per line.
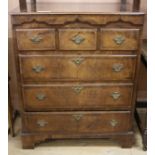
77,68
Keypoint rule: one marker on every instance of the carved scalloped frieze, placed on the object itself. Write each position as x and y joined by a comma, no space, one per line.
48,20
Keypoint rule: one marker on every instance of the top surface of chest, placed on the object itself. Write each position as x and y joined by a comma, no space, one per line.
76,8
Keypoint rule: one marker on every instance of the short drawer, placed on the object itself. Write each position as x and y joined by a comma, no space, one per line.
78,122
119,39
77,39
77,67
77,96
35,39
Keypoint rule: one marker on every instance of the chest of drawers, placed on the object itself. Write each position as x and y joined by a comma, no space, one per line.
77,72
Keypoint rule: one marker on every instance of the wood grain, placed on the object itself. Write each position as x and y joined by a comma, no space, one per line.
74,68
66,123
91,67
129,36
35,39
77,97
66,37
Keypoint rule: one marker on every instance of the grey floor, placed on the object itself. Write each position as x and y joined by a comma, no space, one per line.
74,147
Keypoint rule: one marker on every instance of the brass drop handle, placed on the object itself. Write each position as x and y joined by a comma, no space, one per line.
113,123
78,39
117,67
119,40
77,89
38,68
115,95
41,123
40,97
36,39
77,117
78,61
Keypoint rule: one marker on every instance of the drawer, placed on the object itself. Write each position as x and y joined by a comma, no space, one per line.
77,67
77,122
35,39
77,39
77,96
119,39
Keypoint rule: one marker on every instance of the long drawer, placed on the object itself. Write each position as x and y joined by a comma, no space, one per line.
77,67
77,96
78,122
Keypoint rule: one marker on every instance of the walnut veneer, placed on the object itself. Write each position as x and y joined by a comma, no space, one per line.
77,68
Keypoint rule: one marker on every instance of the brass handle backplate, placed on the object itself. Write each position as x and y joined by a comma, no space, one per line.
42,123
36,39
119,40
78,61
115,95
38,68
78,39
117,67
77,117
113,122
40,97
77,89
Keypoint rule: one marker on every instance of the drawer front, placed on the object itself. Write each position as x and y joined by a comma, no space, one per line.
74,96
77,39
75,68
35,39
119,39
77,122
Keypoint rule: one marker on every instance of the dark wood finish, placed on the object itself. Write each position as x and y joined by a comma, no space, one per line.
75,67
141,119
74,96
33,2
10,116
144,51
23,5
123,5
136,5
33,5
142,83
141,102
13,77
12,112
81,67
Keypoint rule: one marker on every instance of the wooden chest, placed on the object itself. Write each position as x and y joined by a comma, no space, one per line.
77,71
